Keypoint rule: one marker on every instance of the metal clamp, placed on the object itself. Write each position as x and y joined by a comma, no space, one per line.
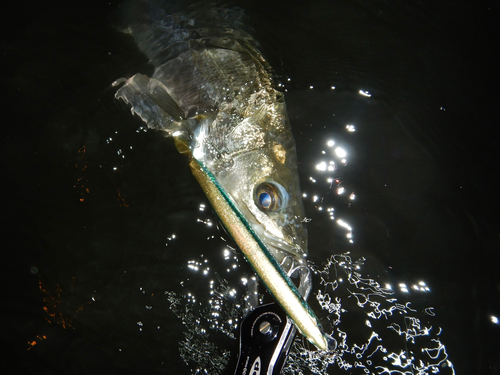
265,340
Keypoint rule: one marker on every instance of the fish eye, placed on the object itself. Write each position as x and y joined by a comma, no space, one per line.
270,197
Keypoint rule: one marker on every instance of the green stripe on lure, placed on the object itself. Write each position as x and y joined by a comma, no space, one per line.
212,91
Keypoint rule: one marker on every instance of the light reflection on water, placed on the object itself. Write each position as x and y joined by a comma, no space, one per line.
395,338
390,336
376,325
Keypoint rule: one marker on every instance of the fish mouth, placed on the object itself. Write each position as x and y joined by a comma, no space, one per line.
280,247
287,253
291,259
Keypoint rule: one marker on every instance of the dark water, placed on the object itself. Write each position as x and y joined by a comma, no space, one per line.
94,280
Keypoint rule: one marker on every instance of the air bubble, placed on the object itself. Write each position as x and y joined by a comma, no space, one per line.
332,343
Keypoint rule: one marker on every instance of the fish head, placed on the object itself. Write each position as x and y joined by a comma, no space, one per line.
273,206
256,165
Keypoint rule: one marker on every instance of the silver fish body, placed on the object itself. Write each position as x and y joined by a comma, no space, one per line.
212,91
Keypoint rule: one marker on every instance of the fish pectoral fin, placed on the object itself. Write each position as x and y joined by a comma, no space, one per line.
150,100
158,92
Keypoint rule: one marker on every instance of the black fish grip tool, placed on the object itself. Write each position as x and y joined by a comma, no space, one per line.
266,336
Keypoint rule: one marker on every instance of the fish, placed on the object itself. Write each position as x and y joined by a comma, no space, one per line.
213,92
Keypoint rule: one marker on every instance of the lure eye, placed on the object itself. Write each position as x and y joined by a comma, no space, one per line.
270,197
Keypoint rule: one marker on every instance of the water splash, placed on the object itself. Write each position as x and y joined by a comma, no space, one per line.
205,323
376,333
